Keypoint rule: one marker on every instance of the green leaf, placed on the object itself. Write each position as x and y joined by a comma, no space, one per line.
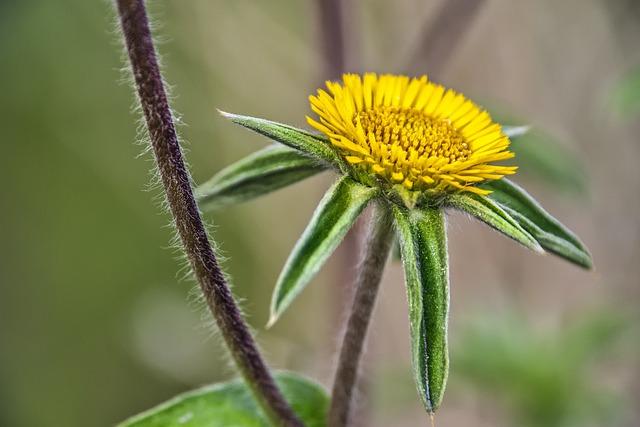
423,243
548,231
260,173
313,145
334,216
542,156
232,404
489,212
548,160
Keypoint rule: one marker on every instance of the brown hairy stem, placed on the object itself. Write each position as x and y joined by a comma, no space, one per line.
195,241
377,248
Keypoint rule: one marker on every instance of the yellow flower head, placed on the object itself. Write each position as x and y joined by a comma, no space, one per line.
411,133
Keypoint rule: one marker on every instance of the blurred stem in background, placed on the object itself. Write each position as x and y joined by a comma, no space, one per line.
193,235
330,14
442,35
331,31
331,34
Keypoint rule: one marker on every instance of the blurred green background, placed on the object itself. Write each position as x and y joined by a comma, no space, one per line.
96,321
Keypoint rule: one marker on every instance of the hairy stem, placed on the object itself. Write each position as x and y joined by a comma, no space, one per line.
376,252
195,241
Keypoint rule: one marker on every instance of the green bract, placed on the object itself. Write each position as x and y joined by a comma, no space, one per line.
423,247
260,173
336,213
420,230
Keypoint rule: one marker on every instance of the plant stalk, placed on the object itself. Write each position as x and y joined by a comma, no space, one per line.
330,13
441,37
376,252
193,235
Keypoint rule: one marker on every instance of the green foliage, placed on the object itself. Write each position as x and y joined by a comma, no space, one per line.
423,243
626,95
543,380
231,404
544,158
333,217
489,212
548,231
260,173
314,145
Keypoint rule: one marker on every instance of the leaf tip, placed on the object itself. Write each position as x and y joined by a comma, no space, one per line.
587,259
273,318
587,262
225,114
537,248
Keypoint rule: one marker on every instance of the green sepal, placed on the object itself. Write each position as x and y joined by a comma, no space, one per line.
332,219
260,173
232,404
423,244
548,231
492,214
311,144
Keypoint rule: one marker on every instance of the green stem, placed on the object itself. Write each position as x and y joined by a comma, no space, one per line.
377,248
193,235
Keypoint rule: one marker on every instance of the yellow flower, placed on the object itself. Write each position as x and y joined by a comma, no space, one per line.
414,150
411,133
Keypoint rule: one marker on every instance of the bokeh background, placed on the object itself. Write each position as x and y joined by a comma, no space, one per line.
96,321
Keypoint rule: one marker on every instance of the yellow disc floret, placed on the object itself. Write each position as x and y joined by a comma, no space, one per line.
411,132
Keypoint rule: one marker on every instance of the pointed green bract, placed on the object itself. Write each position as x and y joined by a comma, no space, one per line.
333,217
423,243
489,212
232,404
257,174
311,144
548,231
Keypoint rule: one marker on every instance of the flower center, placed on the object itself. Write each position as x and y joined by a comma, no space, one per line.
415,133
